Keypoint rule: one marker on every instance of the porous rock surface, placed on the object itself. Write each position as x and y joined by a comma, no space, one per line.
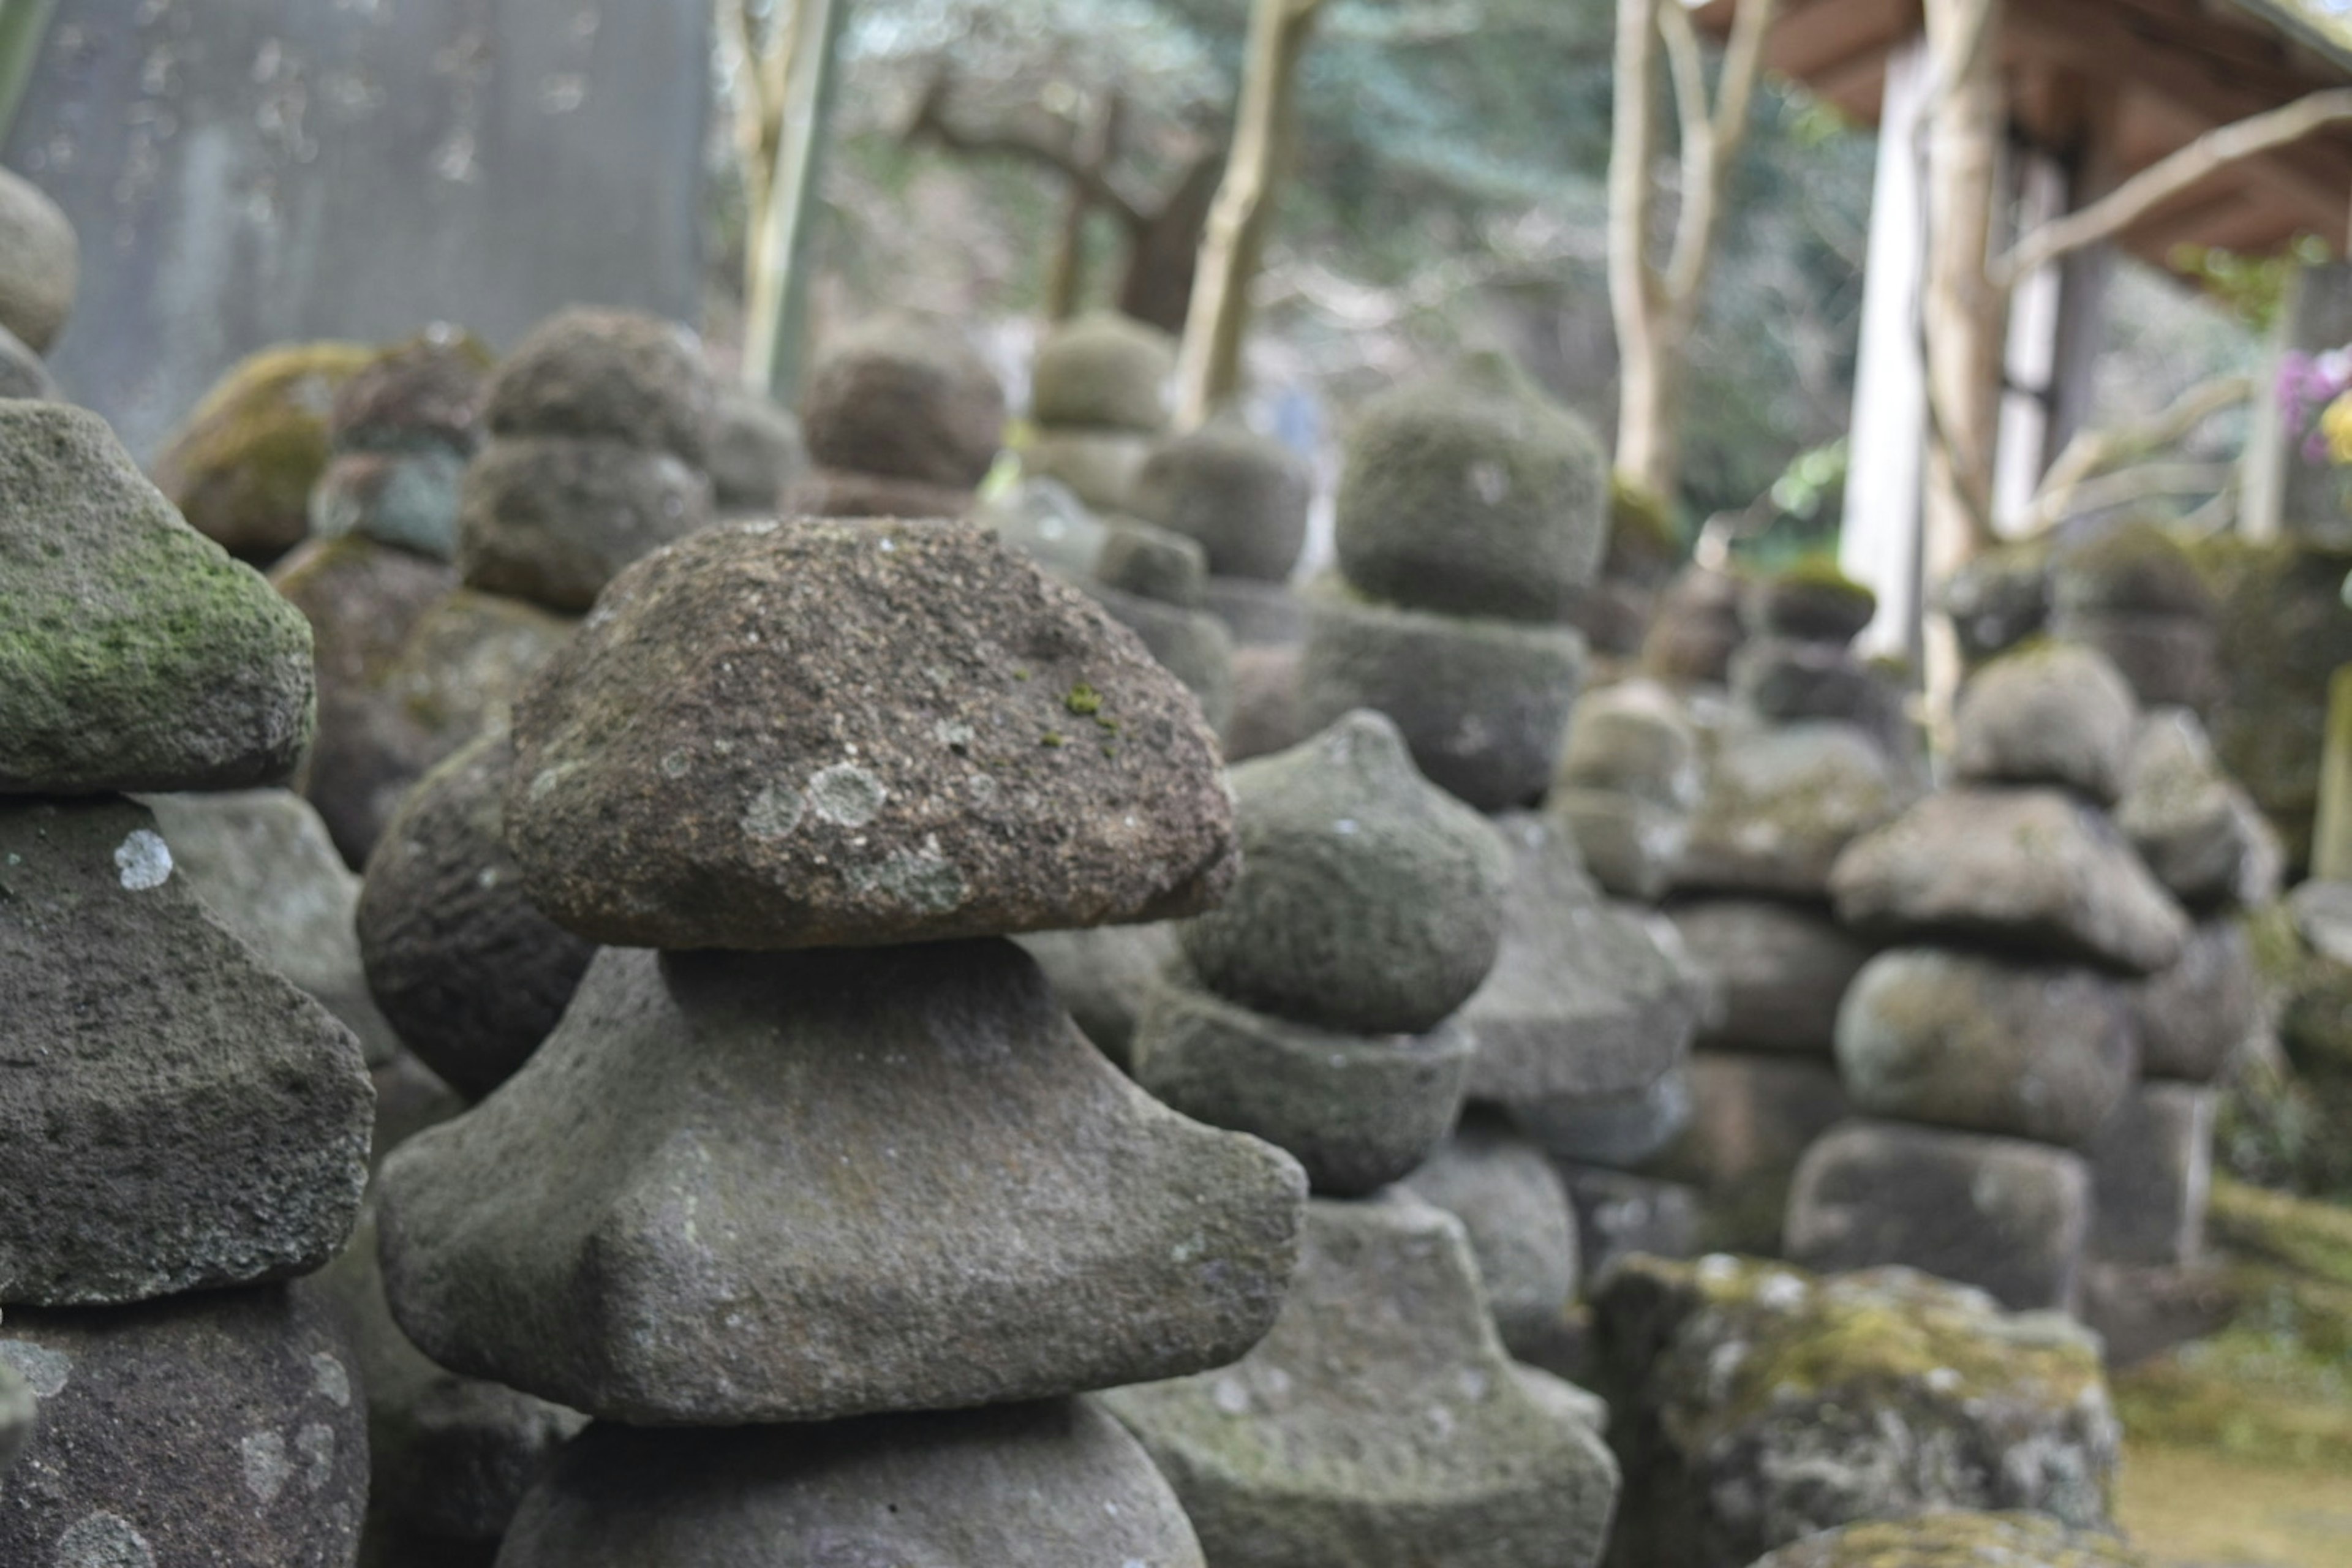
134,653
822,734
903,401
173,1116
794,1186
610,376
2052,714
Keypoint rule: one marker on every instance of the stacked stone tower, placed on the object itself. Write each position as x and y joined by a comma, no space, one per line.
598,424
1099,401
1314,1008
182,1129
39,273
814,1144
1245,497
902,418
1988,1051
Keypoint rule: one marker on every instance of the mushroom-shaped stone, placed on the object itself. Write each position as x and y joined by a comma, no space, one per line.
243,464
610,376
1058,1484
2054,714
1474,495
905,401
262,861
40,263
468,972
1954,1539
1381,1421
2034,869
1515,1210
1103,371
134,654
551,519
1357,1112
177,1117
1812,602
716,1142
1753,1404
1243,495
813,733
1955,1039
1369,900
223,1427
756,453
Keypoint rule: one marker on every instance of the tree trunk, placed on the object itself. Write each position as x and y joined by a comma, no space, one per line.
1163,252
1645,412
776,290
1066,282
1209,364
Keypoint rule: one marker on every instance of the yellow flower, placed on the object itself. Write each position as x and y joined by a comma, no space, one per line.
2336,425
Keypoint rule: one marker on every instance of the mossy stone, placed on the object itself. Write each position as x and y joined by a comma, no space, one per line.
2134,566
1152,562
1475,495
1099,467
1484,704
2191,1016
551,520
2047,713
134,653
1810,601
902,399
1644,546
1190,645
1998,598
1514,1209
40,263
241,465
2151,1170
1959,1540
1696,630
425,390
609,376
1105,371
405,499
1243,495
1777,971
1781,804
2167,659
1753,1404
1634,738
2196,828
756,453
1369,900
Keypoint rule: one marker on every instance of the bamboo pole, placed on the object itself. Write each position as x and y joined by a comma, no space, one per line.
776,295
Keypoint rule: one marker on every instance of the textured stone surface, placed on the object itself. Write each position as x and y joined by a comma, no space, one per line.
1357,1110
612,375
1619,1213
1630,846
2151,1171
1152,562
2189,1017
427,389
1583,1002
1951,1538
2134,566
1102,975
1788,678
2052,714
1099,467
242,464
1696,630
1190,645
1781,804
552,518
2163,659
450,1457
904,400
133,653
1368,899
405,499
1483,703
1514,1208
408,1100
20,1412
39,263
1243,495
467,970
895,1162
1958,1039
803,734
1104,370
1810,601
1381,1423
1265,719
2029,868
2008,1216
261,860
1776,971
227,1426
1998,598
1752,1404
2195,828
22,373
1635,739
1056,1485
756,453
173,1115
1472,494
1623,1129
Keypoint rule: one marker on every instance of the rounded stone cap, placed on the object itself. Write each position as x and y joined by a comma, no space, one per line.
756,452
429,388
1243,495
1368,899
906,400
2047,713
1103,370
1472,495
2135,565
1811,601
40,263
612,376
1152,562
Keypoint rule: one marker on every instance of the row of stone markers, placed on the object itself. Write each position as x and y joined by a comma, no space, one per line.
181,1129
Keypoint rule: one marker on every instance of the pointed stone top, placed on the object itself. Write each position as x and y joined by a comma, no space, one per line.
810,733
134,653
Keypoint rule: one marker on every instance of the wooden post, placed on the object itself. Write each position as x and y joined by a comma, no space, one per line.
1209,362
2030,359
775,329
1878,544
